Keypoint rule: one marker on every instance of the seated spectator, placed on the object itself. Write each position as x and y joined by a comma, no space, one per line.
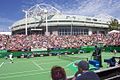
83,73
58,73
111,62
119,62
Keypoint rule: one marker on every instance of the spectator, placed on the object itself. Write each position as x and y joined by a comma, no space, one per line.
25,42
97,54
83,73
58,73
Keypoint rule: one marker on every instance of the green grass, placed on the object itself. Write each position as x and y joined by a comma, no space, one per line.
38,68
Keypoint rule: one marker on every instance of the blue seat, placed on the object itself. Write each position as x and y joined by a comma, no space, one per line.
95,63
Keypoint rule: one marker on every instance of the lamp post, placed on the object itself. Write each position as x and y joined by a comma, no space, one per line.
46,33
26,13
71,25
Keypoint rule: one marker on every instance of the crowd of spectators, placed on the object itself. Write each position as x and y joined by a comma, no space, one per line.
83,72
22,42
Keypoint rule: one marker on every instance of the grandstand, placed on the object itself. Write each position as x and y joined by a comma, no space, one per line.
71,39
46,19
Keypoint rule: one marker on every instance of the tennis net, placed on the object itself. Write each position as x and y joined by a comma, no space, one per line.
72,58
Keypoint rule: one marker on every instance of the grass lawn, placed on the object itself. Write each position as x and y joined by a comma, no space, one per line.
39,68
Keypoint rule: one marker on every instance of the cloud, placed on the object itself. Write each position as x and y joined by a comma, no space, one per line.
4,28
83,7
93,7
5,23
29,3
2,20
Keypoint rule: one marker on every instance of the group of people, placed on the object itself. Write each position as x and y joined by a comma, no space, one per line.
83,73
24,42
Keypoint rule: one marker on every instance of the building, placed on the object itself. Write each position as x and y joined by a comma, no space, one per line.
45,19
5,33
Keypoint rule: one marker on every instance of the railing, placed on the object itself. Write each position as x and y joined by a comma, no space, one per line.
112,73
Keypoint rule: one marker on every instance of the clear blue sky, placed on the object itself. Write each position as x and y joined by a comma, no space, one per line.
11,10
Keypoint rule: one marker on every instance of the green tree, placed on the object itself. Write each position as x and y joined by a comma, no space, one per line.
113,24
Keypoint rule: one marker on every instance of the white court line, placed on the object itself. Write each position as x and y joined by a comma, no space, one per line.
20,72
28,71
36,60
1,64
69,64
37,65
14,76
53,62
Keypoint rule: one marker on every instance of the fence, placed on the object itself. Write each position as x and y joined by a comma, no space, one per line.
85,49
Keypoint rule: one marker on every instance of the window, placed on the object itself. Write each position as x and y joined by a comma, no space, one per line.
75,31
94,19
88,19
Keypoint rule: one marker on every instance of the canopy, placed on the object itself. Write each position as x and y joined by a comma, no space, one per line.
113,31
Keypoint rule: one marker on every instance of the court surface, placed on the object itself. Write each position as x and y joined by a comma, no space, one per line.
39,68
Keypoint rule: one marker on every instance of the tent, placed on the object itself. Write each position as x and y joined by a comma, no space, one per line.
113,31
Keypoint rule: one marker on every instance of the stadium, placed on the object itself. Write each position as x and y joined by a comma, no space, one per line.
28,54
43,18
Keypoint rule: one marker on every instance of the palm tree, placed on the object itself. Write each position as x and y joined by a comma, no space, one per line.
113,24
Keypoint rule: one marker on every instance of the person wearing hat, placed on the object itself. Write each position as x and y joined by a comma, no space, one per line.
83,72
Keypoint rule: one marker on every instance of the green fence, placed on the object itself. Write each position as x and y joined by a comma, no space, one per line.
15,53
112,48
85,49
60,51
3,53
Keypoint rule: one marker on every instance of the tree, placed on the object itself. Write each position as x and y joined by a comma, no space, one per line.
113,24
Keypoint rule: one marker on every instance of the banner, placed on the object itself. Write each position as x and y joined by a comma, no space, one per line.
39,49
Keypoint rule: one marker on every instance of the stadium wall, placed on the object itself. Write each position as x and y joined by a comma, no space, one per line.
55,51
72,24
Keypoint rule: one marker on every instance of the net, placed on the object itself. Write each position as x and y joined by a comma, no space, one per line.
72,58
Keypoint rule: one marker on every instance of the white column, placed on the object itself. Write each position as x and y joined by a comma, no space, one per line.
26,13
46,33
90,31
71,25
46,25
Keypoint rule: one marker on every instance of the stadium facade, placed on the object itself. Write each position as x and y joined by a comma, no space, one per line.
45,19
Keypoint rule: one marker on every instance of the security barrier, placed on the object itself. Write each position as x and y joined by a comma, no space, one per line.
55,51
112,73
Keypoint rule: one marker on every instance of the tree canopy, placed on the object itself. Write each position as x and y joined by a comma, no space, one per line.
114,24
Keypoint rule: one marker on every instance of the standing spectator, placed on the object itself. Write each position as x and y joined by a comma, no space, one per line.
83,73
97,54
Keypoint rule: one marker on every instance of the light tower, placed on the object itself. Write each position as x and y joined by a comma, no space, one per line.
37,11
46,12
26,13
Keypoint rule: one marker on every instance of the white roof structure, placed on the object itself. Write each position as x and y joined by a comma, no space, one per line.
5,33
58,17
36,17
41,9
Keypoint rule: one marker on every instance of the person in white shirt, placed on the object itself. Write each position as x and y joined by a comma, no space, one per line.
11,57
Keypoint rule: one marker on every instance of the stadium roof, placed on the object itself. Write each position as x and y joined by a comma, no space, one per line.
37,13
41,9
61,17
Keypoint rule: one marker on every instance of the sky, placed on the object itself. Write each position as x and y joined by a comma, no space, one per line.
11,10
